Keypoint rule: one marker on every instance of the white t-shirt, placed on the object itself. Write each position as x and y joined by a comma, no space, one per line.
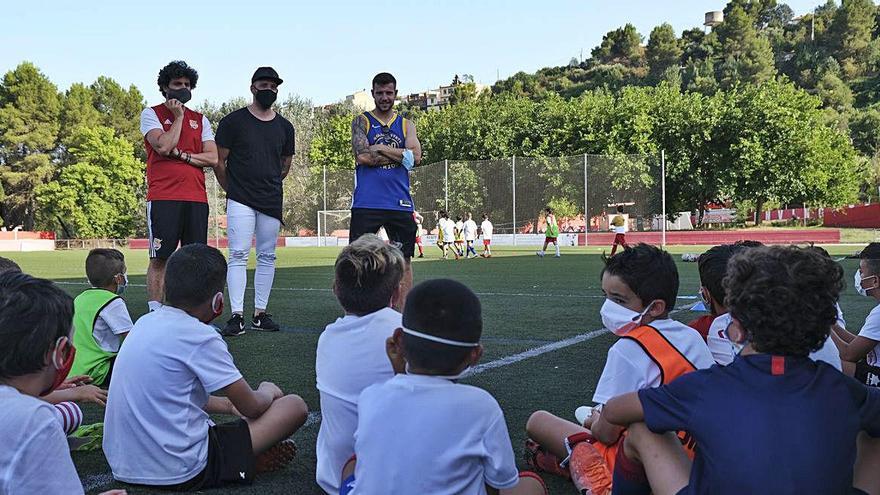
150,121
155,426
486,227
628,368
351,356
112,322
35,457
723,352
448,227
424,434
470,230
871,330
459,226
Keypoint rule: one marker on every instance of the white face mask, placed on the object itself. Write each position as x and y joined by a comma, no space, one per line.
858,283
725,320
619,319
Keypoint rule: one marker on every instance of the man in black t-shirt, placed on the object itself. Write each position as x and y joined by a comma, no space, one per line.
255,146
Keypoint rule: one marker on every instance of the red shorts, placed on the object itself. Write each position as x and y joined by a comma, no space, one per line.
619,238
418,239
549,239
486,242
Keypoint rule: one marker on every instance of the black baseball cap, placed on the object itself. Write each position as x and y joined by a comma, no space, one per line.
267,73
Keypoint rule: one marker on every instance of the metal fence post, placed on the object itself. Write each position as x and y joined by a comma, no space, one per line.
663,192
586,206
446,185
320,234
513,167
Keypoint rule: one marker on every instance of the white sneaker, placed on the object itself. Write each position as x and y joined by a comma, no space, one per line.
540,253
558,256
582,413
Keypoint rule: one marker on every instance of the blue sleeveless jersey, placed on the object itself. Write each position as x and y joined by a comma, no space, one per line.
385,187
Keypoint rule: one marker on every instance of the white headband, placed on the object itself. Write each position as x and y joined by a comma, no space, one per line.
440,340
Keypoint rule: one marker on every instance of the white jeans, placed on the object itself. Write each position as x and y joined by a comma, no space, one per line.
242,223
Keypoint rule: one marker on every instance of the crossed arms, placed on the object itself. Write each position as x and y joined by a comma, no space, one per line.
380,154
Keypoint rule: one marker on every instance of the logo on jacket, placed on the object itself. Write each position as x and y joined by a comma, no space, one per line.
194,124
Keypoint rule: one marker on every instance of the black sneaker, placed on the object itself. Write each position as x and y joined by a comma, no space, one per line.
263,322
234,327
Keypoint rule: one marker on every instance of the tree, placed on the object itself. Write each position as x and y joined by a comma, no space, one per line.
865,129
663,50
29,126
98,196
850,34
121,109
622,45
748,56
834,92
78,109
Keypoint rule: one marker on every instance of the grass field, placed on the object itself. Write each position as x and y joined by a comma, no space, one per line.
527,303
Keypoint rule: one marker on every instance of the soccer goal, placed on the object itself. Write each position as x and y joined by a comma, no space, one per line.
333,223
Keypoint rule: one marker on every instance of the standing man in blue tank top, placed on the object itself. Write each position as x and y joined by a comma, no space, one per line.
386,148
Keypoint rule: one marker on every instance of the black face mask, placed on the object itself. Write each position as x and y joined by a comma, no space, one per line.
266,97
182,95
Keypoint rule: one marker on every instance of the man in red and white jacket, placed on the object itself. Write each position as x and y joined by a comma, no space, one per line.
179,144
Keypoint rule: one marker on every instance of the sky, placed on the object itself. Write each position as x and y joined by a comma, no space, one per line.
324,50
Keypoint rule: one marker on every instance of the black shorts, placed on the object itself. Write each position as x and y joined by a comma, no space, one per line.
170,223
399,225
231,459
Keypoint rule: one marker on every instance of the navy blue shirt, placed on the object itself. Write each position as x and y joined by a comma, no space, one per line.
767,424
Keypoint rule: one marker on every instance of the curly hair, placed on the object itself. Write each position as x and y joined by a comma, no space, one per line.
173,70
784,297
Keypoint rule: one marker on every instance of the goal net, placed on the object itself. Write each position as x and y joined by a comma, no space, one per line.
333,223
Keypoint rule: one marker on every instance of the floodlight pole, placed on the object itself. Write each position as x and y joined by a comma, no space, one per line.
663,193
513,167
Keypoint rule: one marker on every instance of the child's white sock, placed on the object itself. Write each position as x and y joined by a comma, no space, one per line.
557,249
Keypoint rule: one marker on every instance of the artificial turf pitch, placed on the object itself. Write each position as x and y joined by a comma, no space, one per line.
528,302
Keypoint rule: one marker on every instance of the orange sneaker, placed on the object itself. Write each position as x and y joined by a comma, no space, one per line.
589,472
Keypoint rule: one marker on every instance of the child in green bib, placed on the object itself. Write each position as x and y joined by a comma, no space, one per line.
100,317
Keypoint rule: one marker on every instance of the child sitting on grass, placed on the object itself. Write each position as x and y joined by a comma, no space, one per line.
157,431
351,351
422,431
641,286
100,316
35,331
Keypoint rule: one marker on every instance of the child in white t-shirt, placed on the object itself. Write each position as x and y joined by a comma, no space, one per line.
470,235
35,335
486,228
422,431
351,351
860,353
640,285
447,227
157,429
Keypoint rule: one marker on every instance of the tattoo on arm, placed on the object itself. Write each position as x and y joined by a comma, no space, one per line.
359,142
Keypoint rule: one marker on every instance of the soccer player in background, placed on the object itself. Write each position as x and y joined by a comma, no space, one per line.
618,225
470,235
552,233
487,228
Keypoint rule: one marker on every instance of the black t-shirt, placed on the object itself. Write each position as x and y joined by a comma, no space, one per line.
253,167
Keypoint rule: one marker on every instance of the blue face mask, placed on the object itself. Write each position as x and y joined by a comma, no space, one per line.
408,160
